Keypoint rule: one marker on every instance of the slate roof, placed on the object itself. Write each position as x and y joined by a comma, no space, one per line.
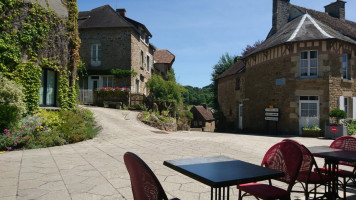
107,17
205,113
163,56
238,67
310,25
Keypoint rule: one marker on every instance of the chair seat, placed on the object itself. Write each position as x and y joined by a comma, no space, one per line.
264,191
341,172
314,178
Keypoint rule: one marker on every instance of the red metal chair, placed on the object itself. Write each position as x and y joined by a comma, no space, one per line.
145,185
306,174
345,143
284,156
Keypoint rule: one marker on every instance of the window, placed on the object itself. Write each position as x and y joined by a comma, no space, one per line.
345,71
141,59
48,88
95,55
309,106
309,64
237,86
148,63
108,81
137,86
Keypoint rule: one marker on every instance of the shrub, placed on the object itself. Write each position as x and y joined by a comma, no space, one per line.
12,104
13,139
9,116
73,127
337,114
50,128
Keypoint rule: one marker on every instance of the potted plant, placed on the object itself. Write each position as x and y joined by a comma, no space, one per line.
336,129
311,131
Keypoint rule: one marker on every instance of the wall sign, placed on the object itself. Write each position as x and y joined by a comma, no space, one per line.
272,114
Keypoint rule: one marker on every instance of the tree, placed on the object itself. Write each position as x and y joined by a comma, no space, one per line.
248,49
165,90
224,63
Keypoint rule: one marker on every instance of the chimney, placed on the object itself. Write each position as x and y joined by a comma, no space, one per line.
206,107
336,9
121,11
280,14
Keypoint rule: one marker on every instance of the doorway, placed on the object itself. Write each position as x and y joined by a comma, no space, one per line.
240,116
308,112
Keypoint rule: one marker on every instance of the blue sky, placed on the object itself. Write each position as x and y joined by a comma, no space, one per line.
198,32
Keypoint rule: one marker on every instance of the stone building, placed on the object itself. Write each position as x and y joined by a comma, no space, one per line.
163,61
202,119
304,68
110,40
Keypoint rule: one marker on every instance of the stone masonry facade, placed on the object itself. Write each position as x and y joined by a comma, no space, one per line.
259,89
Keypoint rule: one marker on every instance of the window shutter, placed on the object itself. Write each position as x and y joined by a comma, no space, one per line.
353,107
341,103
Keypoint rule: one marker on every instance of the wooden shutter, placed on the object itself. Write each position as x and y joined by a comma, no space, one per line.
341,103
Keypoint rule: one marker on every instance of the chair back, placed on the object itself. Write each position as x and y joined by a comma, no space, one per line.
308,158
286,157
347,143
145,185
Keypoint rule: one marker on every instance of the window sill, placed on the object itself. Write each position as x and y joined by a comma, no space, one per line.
308,77
347,81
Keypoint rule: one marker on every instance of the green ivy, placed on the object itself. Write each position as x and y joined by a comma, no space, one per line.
122,73
25,37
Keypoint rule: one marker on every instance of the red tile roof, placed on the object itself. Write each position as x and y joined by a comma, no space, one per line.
163,56
205,113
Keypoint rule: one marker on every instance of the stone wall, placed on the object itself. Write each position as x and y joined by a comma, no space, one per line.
137,45
58,6
229,100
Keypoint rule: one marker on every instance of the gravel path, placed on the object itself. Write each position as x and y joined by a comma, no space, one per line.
94,169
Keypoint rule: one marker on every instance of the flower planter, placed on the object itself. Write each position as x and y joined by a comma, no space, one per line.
335,131
310,133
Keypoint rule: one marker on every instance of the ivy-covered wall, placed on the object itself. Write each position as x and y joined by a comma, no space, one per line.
34,38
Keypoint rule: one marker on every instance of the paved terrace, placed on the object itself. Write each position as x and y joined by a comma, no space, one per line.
95,169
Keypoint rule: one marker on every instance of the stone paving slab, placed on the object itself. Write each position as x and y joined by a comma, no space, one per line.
94,169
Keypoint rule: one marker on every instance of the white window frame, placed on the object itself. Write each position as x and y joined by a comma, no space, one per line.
107,81
95,61
345,66
308,59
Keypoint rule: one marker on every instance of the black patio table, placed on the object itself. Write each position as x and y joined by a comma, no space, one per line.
332,158
221,172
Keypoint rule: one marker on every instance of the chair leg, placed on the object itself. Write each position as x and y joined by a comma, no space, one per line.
306,191
344,187
315,191
240,196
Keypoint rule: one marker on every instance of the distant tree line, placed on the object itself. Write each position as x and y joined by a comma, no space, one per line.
198,96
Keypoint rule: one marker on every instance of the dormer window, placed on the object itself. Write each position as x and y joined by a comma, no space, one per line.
308,64
95,55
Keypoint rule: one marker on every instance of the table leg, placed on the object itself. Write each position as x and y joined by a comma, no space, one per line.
220,194
332,171
211,193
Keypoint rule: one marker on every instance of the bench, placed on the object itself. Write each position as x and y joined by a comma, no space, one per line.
117,104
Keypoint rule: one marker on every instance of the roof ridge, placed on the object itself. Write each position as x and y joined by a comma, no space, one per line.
305,16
